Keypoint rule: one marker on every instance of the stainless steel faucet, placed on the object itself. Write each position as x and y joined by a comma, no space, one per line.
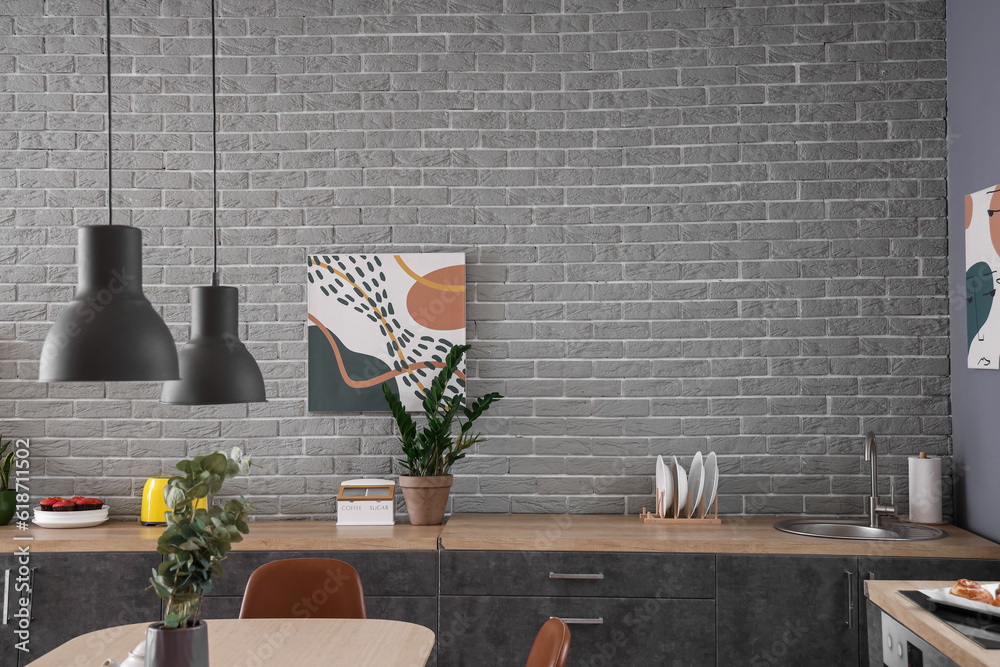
875,509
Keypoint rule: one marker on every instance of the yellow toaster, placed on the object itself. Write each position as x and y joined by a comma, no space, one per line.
154,507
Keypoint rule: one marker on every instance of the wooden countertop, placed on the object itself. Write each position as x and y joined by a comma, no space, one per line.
264,536
737,534
512,532
885,595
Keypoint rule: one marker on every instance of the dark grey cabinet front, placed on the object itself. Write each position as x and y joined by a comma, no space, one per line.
568,574
499,630
76,593
382,572
8,608
787,610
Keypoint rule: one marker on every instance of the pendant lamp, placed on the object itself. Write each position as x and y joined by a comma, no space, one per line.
215,366
109,331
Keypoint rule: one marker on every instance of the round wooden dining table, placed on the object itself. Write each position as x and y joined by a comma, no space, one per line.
277,642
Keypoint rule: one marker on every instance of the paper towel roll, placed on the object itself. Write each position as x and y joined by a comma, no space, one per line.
925,489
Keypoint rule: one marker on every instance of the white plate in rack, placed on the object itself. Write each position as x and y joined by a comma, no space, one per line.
75,519
711,482
680,479
696,483
664,486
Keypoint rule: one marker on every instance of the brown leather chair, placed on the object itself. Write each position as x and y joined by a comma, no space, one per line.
551,645
304,588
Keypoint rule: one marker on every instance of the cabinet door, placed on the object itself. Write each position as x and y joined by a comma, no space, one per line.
572,574
81,592
382,572
928,569
787,610
499,630
8,607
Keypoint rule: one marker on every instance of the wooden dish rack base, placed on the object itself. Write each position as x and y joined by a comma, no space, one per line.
709,518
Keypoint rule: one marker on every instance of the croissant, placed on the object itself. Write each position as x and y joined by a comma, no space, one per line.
971,590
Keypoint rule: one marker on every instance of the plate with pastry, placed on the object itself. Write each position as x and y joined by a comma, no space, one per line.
968,594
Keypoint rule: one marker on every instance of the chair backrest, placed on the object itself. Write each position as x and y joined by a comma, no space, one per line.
551,645
304,588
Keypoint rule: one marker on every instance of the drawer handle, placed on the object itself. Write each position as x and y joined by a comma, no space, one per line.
580,621
31,594
850,599
6,595
592,577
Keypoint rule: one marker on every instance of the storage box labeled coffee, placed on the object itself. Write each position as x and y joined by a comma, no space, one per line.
366,502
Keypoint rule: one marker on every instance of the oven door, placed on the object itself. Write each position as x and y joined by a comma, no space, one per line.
901,647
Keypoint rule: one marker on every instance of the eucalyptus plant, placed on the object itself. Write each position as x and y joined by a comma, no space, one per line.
196,540
434,450
6,463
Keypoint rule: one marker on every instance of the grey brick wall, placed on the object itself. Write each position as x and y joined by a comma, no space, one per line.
690,225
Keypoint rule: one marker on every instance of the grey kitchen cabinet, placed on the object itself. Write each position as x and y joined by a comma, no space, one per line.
499,630
76,593
787,610
926,569
382,572
623,608
8,607
565,573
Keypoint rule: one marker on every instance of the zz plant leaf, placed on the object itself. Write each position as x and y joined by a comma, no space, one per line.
6,463
196,540
435,448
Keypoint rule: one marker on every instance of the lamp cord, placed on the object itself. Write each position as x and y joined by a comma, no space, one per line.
215,167
107,6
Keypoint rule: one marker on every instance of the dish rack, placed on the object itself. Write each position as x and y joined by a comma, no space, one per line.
709,517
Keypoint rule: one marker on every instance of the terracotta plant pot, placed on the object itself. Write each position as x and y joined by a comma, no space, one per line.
183,647
426,498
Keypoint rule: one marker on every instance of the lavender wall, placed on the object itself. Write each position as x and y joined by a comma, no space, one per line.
973,164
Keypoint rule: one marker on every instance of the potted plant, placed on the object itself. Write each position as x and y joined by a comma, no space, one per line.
430,454
195,541
8,496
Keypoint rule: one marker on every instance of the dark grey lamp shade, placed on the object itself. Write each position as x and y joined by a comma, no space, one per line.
109,331
215,366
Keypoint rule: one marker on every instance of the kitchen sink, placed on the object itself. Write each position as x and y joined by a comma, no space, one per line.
858,529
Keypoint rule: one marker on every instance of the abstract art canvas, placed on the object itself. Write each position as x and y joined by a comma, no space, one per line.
982,261
382,318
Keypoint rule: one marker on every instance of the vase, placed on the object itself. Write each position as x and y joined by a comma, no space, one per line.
8,505
181,647
426,498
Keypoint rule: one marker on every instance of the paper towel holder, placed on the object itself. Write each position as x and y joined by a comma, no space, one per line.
932,510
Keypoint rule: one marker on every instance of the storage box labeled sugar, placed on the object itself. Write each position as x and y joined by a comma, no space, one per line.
366,502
